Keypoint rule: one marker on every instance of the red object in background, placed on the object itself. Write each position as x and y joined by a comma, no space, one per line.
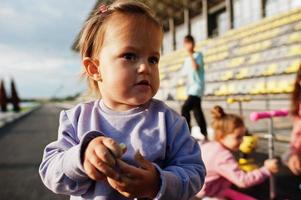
15,100
3,97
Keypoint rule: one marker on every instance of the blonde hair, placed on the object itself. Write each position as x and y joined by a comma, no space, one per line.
92,35
223,123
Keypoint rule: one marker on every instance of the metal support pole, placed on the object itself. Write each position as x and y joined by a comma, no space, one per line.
262,8
240,108
271,156
229,9
187,20
205,17
172,31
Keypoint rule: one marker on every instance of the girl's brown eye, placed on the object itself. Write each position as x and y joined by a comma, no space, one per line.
153,60
130,56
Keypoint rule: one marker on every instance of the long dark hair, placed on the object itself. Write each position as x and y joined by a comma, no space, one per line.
296,94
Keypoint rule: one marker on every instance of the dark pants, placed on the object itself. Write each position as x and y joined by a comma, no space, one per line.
194,103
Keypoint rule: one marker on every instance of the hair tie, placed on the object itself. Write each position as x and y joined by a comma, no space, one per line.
103,8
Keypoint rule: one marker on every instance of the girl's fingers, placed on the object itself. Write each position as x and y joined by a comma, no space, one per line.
125,184
126,194
113,146
128,170
92,172
145,164
116,184
105,155
103,167
120,189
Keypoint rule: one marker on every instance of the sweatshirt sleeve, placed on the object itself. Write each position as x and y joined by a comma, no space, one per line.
228,167
184,172
61,168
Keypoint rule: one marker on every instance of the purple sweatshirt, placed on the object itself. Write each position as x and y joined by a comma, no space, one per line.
158,132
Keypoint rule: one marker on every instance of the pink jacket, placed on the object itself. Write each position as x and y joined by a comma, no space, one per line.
295,144
223,171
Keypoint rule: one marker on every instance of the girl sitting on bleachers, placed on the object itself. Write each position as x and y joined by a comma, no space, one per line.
222,168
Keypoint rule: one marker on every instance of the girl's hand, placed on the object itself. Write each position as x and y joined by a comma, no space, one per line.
272,165
294,164
100,158
143,182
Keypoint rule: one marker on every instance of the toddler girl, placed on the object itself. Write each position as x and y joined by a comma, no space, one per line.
222,168
120,47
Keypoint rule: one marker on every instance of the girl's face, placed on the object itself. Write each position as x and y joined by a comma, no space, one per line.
233,140
128,61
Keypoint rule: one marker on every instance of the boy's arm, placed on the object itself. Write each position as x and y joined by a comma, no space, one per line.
195,64
198,62
184,172
61,169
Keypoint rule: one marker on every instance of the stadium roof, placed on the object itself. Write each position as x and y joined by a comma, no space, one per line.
165,9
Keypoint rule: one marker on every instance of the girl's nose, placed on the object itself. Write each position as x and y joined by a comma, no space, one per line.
144,68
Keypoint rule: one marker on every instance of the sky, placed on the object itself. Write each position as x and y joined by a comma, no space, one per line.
35,46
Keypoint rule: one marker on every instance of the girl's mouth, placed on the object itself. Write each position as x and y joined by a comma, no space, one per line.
143,82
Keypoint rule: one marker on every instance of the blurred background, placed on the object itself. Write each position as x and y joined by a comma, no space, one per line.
252,50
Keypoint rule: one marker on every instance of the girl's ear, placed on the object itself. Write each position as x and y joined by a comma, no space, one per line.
92,68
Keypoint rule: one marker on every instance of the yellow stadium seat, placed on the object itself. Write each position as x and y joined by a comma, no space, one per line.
267,34
289,87
218,49
293,67
210,89
163,64
237,61
181,93
162,76
243,73
259,88
215,57
294,37
280,22
259,46
231,89
295,17
264,45
271,87
295,50
227,76
175,67
298,26
223,90
281,85
181,82
270,70
254,58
